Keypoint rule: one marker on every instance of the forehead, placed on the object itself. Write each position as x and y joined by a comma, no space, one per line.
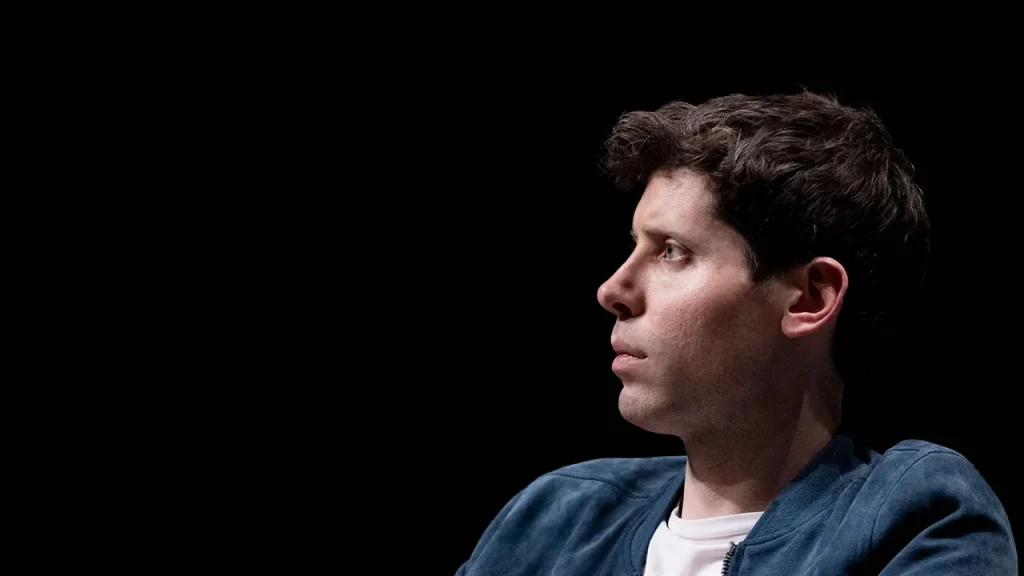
679,201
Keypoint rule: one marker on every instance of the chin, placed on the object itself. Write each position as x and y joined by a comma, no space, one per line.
648,411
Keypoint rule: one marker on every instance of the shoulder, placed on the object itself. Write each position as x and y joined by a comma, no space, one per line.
933,499
915,473
608,485
917,457
923,471
629,477
915,449
574,506
607,488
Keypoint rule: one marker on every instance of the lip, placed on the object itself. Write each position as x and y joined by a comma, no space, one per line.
625,362
623,348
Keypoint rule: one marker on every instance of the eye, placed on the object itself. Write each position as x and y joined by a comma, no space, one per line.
673,252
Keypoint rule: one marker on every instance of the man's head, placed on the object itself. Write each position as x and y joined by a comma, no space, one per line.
762,219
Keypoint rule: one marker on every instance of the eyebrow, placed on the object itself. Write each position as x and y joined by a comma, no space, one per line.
661,235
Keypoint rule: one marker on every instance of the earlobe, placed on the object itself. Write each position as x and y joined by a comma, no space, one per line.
819,288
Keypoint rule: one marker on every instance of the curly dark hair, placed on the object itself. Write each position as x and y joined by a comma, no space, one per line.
798,176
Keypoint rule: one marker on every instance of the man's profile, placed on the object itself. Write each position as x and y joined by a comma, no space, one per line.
772,233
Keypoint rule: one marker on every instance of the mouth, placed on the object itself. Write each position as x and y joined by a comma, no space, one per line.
623,349
627,358
623,363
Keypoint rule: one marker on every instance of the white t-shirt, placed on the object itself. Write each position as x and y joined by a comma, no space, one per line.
695,547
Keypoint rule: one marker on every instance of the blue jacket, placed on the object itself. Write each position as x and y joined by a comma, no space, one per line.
917,509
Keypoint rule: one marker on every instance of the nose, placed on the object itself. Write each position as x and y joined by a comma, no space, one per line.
620,294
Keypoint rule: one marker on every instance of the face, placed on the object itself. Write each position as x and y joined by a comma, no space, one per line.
698,334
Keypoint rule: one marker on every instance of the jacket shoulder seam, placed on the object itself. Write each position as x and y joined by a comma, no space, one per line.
874,525
625,491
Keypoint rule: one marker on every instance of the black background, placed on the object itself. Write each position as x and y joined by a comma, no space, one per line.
453,349
501,227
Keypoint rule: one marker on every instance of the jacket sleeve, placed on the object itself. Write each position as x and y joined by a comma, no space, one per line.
942,518
485,539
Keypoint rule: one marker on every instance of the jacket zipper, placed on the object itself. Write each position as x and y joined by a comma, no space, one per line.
728,558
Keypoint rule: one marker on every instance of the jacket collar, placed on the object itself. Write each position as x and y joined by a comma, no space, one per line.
813,489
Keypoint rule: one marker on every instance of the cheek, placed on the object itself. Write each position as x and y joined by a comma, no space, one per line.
684,320
706,320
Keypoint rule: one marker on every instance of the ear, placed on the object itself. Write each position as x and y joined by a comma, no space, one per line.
815,293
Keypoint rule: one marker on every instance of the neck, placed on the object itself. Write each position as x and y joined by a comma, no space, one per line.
738,469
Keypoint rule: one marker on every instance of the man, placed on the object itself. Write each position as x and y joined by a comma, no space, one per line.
772,234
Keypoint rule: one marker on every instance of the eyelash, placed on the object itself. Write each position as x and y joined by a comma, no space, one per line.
679,248
667,246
